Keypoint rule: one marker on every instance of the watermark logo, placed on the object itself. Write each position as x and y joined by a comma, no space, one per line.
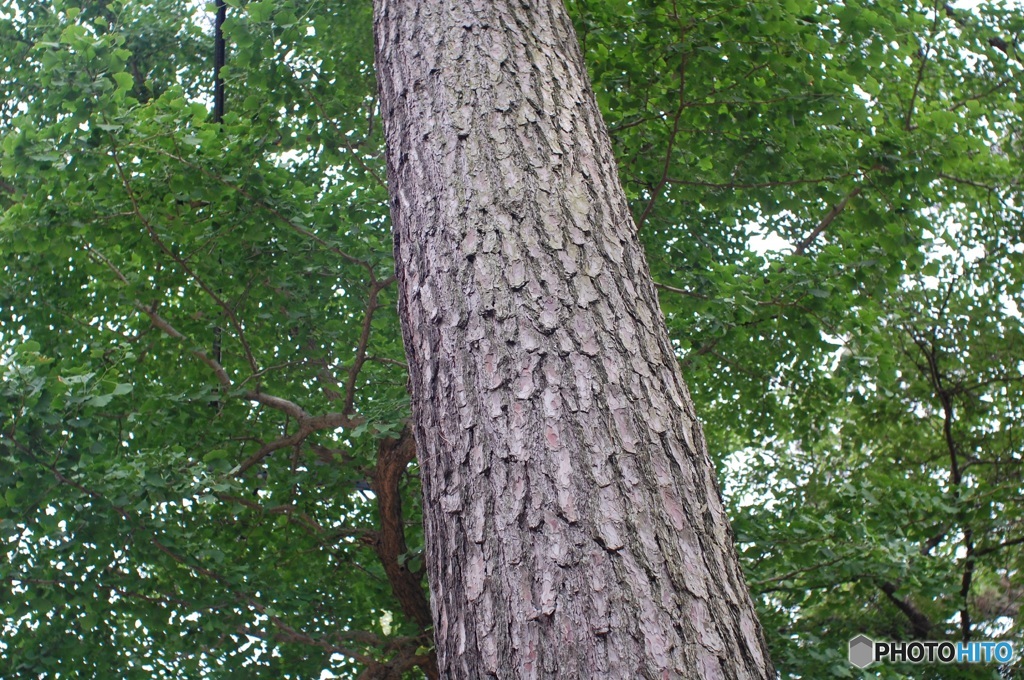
864,651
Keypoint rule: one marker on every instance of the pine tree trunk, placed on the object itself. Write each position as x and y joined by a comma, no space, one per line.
574,526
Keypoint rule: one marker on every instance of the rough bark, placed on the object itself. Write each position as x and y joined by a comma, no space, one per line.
574,526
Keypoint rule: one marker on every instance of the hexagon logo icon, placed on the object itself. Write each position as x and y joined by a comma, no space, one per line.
862,651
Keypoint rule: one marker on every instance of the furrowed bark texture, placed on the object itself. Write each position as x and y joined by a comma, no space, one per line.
574,526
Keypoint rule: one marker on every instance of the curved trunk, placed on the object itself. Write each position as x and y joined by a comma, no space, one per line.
574,527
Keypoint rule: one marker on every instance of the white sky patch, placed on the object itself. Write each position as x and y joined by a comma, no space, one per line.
762,243
1010,306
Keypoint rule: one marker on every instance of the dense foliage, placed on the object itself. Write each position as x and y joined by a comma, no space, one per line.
202,400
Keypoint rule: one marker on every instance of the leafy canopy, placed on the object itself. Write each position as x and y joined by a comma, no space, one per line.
202,370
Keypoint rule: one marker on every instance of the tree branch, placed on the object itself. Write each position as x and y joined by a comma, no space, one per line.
797,572
181,262
393,457
827,220
920,623
987,550
671,146
995,42
270,209
364,340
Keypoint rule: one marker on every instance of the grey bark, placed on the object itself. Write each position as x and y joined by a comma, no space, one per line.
574,526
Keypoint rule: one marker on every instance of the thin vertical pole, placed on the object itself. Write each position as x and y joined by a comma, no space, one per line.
219,58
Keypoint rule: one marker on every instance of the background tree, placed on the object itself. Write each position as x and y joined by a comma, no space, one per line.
829,197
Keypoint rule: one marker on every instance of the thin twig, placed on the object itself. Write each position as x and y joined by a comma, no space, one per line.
827,220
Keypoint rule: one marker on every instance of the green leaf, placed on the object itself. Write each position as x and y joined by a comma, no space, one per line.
260,11
124,81
99,400
216,454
